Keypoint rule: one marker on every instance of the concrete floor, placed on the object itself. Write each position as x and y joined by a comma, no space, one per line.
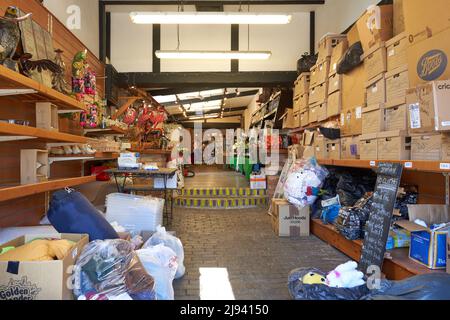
234,254
215,176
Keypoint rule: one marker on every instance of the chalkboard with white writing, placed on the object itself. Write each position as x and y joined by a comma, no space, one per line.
377,228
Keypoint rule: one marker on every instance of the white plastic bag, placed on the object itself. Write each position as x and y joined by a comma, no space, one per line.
163,237
161,263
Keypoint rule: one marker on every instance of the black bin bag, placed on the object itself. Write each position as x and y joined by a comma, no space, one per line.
71,212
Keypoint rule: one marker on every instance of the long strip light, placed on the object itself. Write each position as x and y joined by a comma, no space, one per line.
216,115
213,55
209,18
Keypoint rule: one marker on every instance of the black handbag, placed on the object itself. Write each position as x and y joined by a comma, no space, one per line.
351,59
306,62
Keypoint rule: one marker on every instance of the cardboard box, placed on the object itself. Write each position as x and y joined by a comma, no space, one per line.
351,122
46,280
428,247
323,69
369,146
302,84
318,94
395,115
304,101
334,149
308,152
289,220
424,19
396,52
350,147
296,106
297,150
327,44
338,52
397,82
334,83
334,105
313,113
322,112
428,60
308,137
297,119
373,119
430,147
375,61
313,79
353,88
394,145
376,90
375,26
320,144
288,119
399,17
420,109
304,118
258,182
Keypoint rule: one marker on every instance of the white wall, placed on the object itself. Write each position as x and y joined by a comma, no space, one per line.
89,31
337,15
131,45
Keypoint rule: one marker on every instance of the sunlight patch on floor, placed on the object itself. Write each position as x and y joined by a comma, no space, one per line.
215,284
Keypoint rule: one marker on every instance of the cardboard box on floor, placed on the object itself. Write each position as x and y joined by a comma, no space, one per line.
428,247
428,60
425,18
375,25
45,280
289,220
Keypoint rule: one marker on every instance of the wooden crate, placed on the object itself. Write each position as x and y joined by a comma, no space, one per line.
34,166
47,116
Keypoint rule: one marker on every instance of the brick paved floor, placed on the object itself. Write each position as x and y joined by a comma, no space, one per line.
242,242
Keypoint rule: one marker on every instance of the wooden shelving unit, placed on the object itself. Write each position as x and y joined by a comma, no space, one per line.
14,192
98,131
398,267
36,92
14,130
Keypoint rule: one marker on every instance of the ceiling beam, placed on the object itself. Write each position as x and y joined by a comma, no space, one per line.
250,79
171,91
223,2
214,125
212,98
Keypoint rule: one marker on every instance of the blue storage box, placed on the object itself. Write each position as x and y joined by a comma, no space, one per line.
428,246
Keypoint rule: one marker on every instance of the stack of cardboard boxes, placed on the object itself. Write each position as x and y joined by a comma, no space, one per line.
301,100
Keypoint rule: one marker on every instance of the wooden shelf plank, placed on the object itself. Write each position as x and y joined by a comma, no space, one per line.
7,129
98,131
20,191
397,268
10,79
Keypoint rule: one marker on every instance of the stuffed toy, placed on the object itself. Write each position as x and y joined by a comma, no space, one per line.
345,276
313,278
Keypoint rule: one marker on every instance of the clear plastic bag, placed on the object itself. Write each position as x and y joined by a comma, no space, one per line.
161,263
163,237
111,270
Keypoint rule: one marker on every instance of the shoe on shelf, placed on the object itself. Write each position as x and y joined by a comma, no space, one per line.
57,150
76,150
68,150
87,149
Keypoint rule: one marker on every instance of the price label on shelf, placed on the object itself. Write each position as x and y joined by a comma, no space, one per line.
373,163
408,165
444,166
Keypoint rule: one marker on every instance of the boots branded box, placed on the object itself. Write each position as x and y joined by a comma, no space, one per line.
40,280
289,220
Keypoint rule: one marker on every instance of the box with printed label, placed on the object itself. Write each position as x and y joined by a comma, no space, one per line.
396,52
334,105
394,145
397,82
428,60
318,94
395,115
375,26
304,101
373,119
428,244
334,149
334,83
312,117
369,146
322,112
420,109
376,90
258,182
425,18
290,220
353,88
40,280
304,118
375,61
430,147
327,44
350,147
320,144
301,84
338,53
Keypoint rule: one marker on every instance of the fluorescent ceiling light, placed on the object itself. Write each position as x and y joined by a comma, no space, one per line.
216,115
231,55
209,18
164,99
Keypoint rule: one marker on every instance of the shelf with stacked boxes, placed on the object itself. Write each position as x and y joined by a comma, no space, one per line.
19,191
397,267
13,83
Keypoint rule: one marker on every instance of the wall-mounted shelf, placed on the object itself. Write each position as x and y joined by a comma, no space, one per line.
14,192
15,81
111,131
398,267
14,130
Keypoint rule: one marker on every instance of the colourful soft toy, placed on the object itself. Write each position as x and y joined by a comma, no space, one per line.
345,276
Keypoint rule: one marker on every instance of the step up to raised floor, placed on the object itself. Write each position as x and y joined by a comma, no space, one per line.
222,192
221,202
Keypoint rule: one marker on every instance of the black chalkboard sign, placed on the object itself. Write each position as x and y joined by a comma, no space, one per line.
377,229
